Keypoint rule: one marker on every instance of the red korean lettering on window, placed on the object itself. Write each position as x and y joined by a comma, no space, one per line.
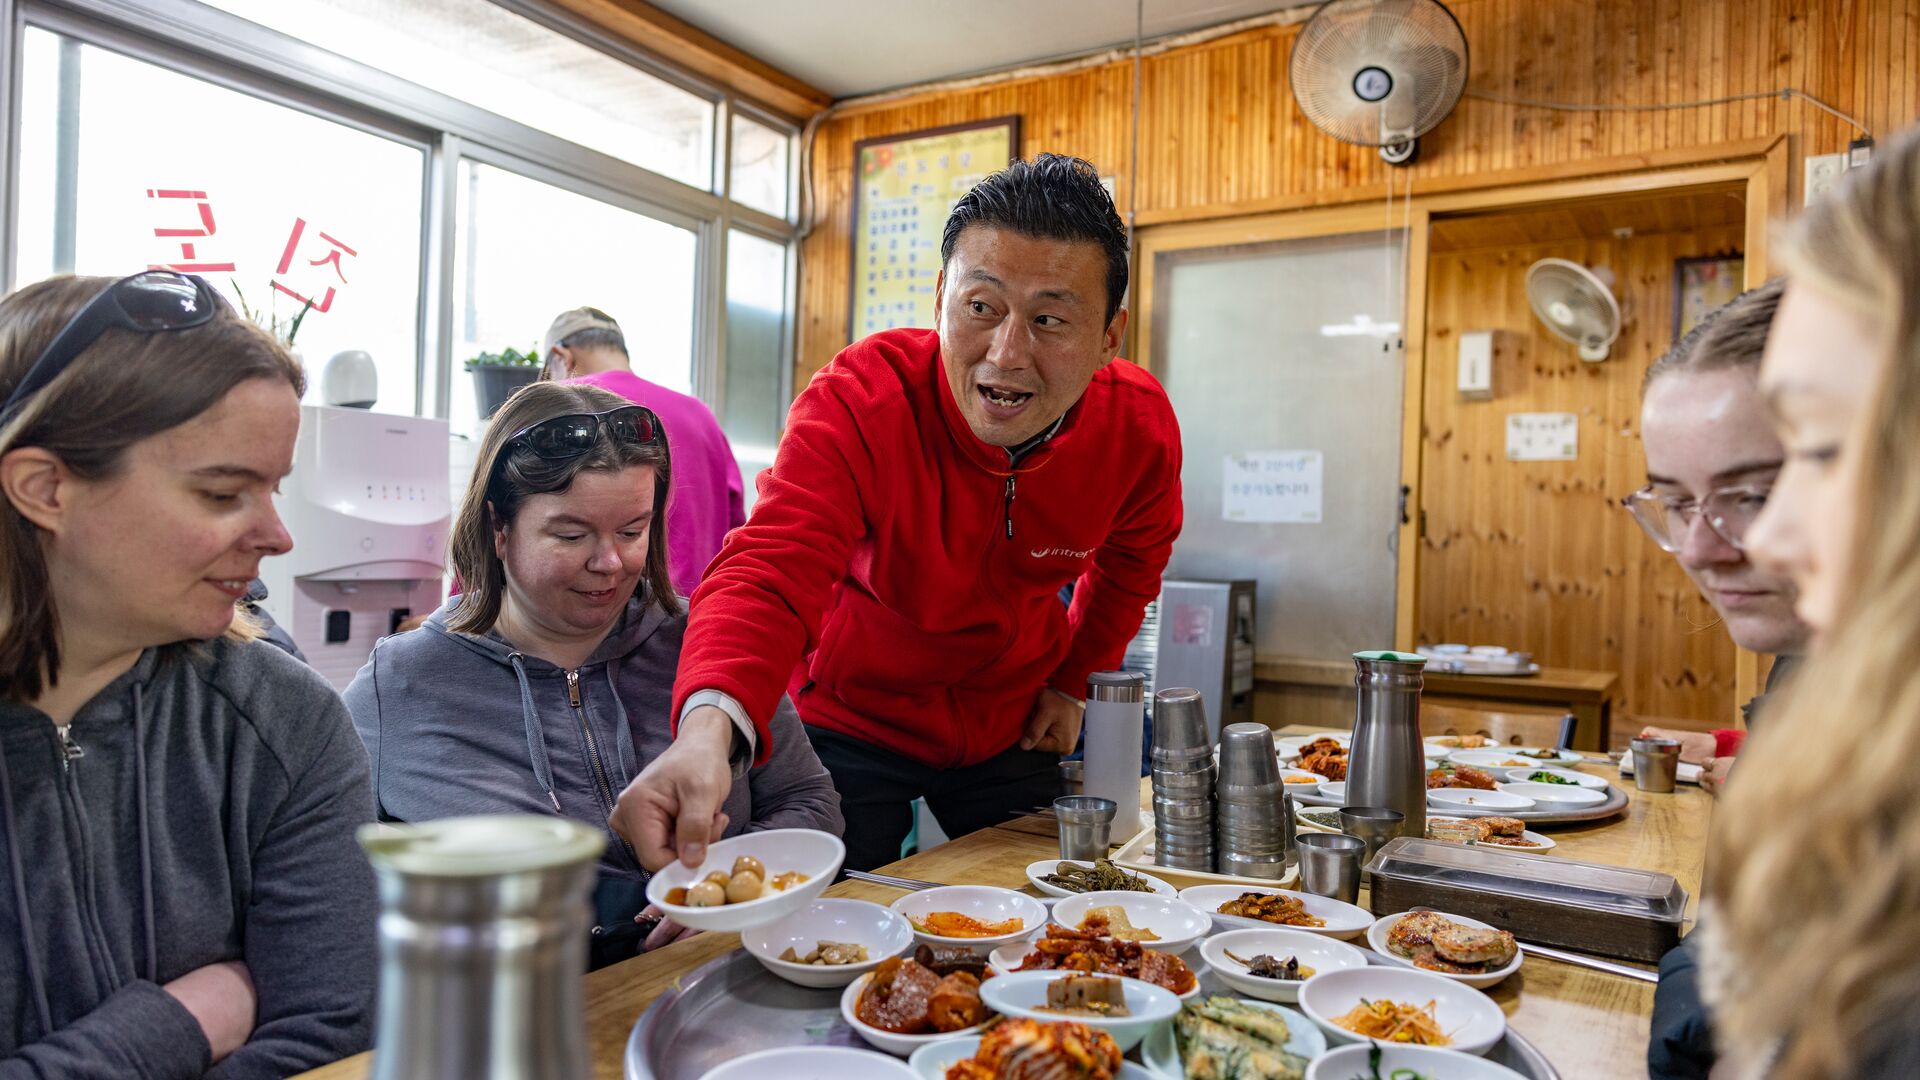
190,237
330,258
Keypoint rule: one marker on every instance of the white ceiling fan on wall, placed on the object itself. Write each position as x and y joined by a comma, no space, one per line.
1379,72
1577,304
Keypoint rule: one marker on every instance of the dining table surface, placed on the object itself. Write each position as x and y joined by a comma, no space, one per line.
1590,1024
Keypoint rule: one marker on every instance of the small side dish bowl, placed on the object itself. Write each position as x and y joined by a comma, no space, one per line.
1523,776
899,1045
1316,951
983,902
812,1063
1347,1062
853,922
1024,993
1377,941
1036,870
1476,799
1561,794
1342,920
807,851
931,1062
1178,923
1470,1018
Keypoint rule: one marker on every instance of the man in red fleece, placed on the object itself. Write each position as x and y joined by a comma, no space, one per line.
934,492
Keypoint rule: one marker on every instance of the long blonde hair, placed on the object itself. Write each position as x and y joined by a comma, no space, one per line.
1813,884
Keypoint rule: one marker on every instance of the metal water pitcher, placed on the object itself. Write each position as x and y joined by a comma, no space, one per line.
1386,766
483,946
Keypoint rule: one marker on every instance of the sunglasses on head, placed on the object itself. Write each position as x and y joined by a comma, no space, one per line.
562,438
148,303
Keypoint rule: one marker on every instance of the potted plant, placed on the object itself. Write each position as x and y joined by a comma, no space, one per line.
497,375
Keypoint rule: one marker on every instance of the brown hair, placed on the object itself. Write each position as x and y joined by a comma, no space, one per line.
1814,923
125,387
497,491
1733,335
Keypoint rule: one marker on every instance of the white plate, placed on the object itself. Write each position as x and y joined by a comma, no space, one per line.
1046,866
1538,842
1300,820
1585,780
1498,758
1344,920
930,1062
1377,940
1469,1017
1438,746
1161,1051
1024,993
808,851
854,922
1007,959
1554,793
983,902
1178,923
899,1045
1289,747
1347,1062
812,1063
1443,798
1336,789
1317,951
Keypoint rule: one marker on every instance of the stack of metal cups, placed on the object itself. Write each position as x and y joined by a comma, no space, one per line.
1253,826
1183,781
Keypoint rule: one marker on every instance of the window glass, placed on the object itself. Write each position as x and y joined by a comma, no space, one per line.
753,409
525,251
483,54
124,165
760,166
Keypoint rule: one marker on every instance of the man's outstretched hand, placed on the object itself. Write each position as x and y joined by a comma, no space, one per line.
672,809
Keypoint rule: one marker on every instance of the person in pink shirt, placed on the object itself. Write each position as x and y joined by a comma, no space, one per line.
708,499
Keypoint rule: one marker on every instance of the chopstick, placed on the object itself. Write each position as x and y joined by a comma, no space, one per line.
1578,960
907,884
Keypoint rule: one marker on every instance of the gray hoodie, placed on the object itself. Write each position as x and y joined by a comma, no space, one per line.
465,724
203,811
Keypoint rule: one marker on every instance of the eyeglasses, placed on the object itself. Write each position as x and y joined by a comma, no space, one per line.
562,438
148,302
1729,512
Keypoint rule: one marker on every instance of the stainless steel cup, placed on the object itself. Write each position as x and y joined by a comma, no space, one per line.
1247,760
1073,776
1371,825
1656,764
1085,824
1330,864
1180,724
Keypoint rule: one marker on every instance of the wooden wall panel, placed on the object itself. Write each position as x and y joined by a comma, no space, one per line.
1537,555
1220,134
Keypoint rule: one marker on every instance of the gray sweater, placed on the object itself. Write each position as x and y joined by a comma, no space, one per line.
205,813
465,724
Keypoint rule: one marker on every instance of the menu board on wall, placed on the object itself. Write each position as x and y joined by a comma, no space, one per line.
904,186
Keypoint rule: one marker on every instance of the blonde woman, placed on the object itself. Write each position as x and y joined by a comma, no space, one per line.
1814,873
181,892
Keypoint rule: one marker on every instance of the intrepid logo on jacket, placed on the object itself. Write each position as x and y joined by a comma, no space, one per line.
1042,553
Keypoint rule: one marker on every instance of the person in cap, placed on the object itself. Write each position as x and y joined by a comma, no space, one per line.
708,499
934,492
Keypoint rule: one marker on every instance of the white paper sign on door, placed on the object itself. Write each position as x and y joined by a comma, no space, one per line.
1272,486
1543,436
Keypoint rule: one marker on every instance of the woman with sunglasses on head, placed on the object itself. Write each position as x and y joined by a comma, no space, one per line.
544,686
182,891
1813,878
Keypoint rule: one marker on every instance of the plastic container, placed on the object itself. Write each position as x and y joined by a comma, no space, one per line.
1605,910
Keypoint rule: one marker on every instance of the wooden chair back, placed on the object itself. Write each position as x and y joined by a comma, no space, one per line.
1506,727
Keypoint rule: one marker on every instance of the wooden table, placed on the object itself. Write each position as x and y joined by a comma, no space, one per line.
1588,695
1590,1024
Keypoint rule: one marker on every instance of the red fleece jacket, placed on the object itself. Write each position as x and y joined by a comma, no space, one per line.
901,580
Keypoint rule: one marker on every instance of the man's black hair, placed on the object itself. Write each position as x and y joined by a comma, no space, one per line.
1052,197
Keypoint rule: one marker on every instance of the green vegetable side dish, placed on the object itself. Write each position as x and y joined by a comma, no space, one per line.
1102,876
1220,1038
1373,1069
1550,778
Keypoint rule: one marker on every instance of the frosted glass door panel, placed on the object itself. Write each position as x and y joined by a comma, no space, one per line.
1290,346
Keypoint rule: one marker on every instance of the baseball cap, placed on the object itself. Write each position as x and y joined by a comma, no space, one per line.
572,322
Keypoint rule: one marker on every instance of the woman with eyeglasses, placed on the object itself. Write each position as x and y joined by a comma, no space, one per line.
1712,456
1812,913
182,892
544,687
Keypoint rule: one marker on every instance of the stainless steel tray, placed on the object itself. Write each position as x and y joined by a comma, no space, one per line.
1616,803
733,1006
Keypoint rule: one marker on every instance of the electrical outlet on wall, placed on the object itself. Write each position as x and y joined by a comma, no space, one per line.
1822,172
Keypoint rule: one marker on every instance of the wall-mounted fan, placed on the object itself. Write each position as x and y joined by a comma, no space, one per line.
1576,303
1379,72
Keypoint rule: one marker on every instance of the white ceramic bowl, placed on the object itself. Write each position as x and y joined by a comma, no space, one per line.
854,922
1347,1062
1329,814
1377,940
930,1062
983,902
1343,920
1024,993
1585,780
1558,794
812,1063
1046,866
1160,1051
1301,782
1178,923
808,851
900,1045
1007,960
1334,789
1469,1017
1317,951
1476,799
